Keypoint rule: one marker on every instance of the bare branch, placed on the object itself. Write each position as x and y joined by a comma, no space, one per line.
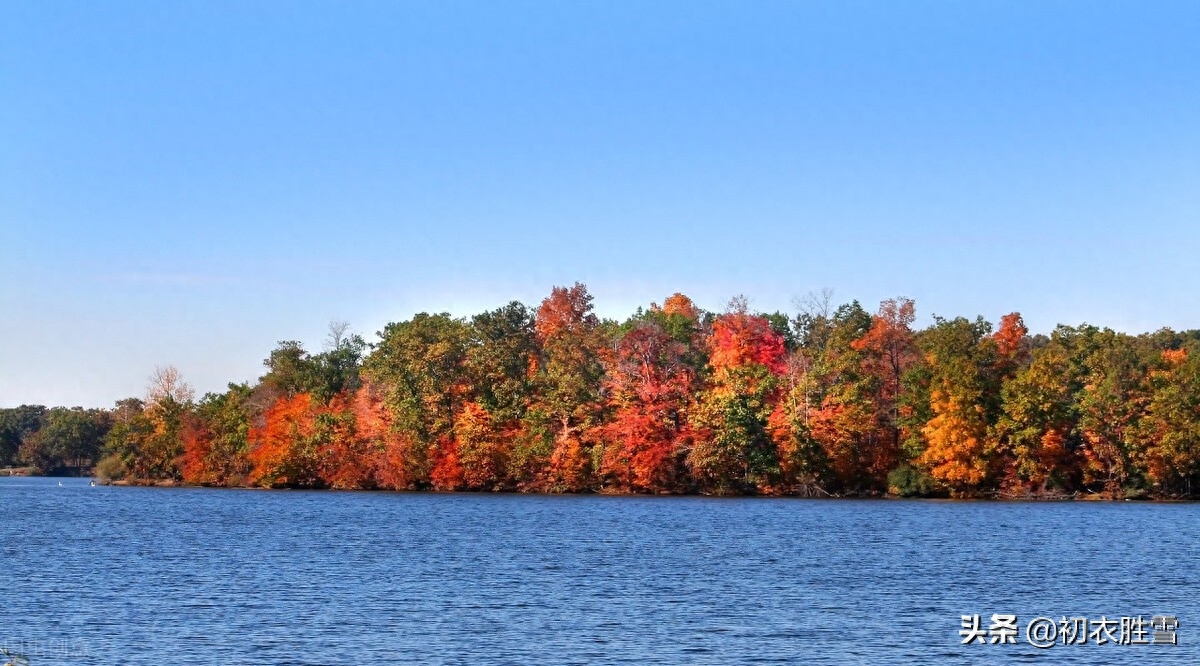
337,334
815,304
167,382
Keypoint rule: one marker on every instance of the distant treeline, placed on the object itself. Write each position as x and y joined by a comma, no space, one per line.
830,401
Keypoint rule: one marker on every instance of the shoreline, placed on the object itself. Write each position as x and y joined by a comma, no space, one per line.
1077,497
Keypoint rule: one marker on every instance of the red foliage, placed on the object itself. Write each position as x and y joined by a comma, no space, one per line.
348,459
739,339
889,343
1010,335
446,472
197,448
648,384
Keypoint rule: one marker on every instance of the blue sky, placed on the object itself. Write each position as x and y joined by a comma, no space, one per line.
189,182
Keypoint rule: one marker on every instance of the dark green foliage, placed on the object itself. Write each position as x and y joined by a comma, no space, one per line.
16,424
908,481
68,438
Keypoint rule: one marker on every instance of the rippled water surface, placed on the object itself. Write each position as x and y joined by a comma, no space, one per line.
194,576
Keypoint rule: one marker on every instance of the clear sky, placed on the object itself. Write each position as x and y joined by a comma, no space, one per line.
190,182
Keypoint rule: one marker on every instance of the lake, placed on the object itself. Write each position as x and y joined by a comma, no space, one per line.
106,575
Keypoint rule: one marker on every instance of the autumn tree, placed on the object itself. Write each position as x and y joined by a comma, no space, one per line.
336,369
346,461
960,448
1112,399
804,464
1039,423
1012,345
674,399
284,449
419,368
167,384
121,454
215,438
740,339
502,355
887,352
686,324
502,361
482,450
732,449
836,399
289,370
648,387
569,403
146,441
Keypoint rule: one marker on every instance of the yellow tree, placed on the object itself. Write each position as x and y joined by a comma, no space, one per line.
964,403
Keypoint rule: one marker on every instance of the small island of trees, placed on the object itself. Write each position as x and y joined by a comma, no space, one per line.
833,401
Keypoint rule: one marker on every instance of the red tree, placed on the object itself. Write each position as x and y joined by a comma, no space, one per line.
649,388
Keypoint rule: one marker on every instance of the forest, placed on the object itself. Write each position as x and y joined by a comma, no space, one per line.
830,401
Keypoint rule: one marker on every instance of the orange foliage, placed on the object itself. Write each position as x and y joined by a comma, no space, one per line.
348,459
275,445
1011,333
848,433
1050,456
1175,357
956,451
679,304
385,452
565,310
889,344
481,452
648,383
569,463
371,420
394,468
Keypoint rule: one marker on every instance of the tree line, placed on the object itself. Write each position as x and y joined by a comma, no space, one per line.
828,401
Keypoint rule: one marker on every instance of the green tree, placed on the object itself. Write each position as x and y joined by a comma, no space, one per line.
70,438
499,358
733,452
16,424
1039,425
420,368
570,402
1112,399
1169,432
216,448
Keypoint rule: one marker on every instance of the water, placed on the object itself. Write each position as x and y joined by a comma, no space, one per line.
161,576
